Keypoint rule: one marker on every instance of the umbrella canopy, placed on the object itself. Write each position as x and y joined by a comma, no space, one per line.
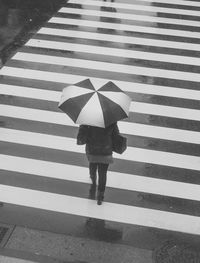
86,104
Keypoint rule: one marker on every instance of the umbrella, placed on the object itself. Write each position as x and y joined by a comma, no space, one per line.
89,105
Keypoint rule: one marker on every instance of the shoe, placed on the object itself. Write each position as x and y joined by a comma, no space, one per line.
93,178
100,197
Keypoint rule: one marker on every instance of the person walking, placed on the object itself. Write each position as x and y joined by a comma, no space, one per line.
99,149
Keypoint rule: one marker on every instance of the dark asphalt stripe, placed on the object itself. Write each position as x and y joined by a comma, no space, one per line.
69,69
163,121
164,100
127,33
59,85
144,142
102,74
133,116
39,127
141,12
176,6
113,59
144,3
112,195
131,22
120,166
33,83
136,97
102,43
103,18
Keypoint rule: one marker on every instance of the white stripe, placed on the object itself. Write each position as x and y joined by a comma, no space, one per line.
140,107
108,211
124,85
149,8
122,53
36,115
106,66
116,180
176,2
125,127
168,111
134,17
32,93
117,38
131,154
141,29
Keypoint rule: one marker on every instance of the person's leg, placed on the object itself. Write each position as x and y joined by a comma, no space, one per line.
93,172
102,172
92,192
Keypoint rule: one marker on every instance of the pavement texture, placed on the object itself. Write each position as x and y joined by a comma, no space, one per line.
22,244
28,245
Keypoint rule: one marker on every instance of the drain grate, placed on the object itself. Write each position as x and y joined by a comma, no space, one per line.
5,233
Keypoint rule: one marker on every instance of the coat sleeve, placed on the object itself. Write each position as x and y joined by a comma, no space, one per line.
82,135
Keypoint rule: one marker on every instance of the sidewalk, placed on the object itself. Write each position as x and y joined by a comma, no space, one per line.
28,245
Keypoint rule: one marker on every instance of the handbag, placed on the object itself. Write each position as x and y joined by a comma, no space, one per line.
119,144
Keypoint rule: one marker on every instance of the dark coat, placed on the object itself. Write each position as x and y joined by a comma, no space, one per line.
98,140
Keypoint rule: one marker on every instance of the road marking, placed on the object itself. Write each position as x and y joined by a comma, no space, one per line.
176,2
130,182
106,66
127,16
108,211
124,27
128,128
158,110
124,85
125,127
123,40
116,52
167,111
149,8
131,154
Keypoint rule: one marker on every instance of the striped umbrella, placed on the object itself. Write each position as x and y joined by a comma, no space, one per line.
86,104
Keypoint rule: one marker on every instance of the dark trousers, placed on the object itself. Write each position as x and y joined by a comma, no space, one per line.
102,172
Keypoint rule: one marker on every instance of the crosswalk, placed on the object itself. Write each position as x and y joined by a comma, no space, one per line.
151,51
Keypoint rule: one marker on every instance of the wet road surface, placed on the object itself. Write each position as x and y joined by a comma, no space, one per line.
19,20
151,51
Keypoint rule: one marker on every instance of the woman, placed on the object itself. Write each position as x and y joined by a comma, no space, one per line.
99,153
